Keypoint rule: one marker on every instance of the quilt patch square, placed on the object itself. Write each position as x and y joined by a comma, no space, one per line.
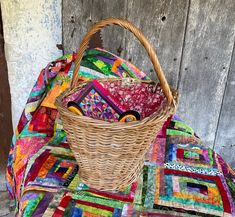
190,155
191,191
53,169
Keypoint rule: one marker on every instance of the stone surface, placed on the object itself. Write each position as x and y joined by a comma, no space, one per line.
31,31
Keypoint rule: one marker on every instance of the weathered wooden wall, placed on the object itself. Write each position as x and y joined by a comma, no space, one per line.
194,40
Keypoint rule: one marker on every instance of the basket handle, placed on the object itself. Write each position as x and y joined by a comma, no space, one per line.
139,35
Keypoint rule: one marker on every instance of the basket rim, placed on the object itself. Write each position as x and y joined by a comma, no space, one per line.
162,114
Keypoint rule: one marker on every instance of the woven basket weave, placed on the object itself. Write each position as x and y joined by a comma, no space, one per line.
111,155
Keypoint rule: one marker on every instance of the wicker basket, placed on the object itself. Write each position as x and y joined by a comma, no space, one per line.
111,155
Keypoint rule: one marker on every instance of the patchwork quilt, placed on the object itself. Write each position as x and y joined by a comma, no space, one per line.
181,176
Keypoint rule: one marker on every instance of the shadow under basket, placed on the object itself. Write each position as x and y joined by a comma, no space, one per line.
111,155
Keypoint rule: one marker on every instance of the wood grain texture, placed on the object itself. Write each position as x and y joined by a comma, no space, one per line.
6,131
77,17
225,138
206,57
163,23
113,36
5,108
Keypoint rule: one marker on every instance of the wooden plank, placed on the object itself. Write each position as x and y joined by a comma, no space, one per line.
113,36
225,138
76,20
6,131
5,109
79,15
163,23
206,57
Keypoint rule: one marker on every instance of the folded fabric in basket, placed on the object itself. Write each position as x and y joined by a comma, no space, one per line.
97,102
